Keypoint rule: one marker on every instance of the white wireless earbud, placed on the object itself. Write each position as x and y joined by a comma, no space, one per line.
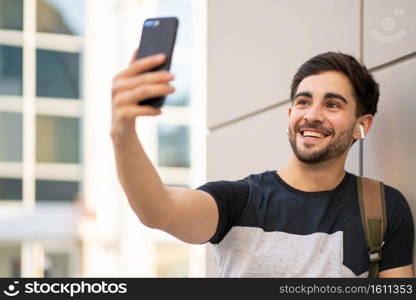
362,132
287,130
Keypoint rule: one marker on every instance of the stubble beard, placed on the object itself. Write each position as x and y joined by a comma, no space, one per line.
334,149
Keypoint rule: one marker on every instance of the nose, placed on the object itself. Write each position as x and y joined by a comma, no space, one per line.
313,114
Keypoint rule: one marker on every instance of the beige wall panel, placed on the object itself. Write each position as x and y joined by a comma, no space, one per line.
352,163
255,47
252,145
389,152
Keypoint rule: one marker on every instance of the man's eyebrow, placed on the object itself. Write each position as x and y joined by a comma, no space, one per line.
304,94
328,95
335,95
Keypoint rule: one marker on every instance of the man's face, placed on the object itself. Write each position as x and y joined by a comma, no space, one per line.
322,118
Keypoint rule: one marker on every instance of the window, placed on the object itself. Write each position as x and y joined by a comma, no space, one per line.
57,74
10,136
60,16
11,14
173,145
10,70
10,189
57,139
40,121
10,260
55,190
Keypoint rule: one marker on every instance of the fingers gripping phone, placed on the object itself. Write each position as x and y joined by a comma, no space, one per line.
158,36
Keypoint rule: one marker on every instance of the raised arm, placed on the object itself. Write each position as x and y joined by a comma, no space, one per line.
188,214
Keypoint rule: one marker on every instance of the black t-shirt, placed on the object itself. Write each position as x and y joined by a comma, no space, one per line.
267,228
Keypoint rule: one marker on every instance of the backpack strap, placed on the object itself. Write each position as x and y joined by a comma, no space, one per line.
373,216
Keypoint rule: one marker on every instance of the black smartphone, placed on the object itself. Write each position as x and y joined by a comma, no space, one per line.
158,36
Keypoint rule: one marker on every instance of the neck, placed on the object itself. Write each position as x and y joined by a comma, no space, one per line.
314,177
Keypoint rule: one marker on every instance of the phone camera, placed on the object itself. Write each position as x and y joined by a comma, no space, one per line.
151,23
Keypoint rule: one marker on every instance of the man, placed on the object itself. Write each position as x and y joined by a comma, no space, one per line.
302,221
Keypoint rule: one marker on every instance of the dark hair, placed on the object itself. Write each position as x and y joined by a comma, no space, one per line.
366,90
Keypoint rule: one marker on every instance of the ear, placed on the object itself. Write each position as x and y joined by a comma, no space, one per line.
366,121
289,111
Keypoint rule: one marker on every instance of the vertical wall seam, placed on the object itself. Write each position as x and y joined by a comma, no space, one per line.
361,46
361,32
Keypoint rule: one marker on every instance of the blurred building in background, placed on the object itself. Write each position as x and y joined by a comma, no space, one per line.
62,210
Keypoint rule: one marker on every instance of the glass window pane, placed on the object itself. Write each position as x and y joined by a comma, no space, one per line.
9,260
57,139
10,136
173,144
51,190
57,74
11,14
10,70
182,84
183,11
10,189
60,16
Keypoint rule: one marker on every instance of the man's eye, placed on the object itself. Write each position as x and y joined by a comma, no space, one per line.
302,102
333,105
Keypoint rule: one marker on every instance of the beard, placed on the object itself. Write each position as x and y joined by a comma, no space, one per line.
334,149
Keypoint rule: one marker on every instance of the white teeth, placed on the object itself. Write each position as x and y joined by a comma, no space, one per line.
313,133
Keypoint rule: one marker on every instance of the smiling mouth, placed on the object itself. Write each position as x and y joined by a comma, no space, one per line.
312,135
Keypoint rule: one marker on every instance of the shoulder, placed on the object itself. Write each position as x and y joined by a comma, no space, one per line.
399,237
396,202
392,192
231,197
265,175
399,216
239,183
